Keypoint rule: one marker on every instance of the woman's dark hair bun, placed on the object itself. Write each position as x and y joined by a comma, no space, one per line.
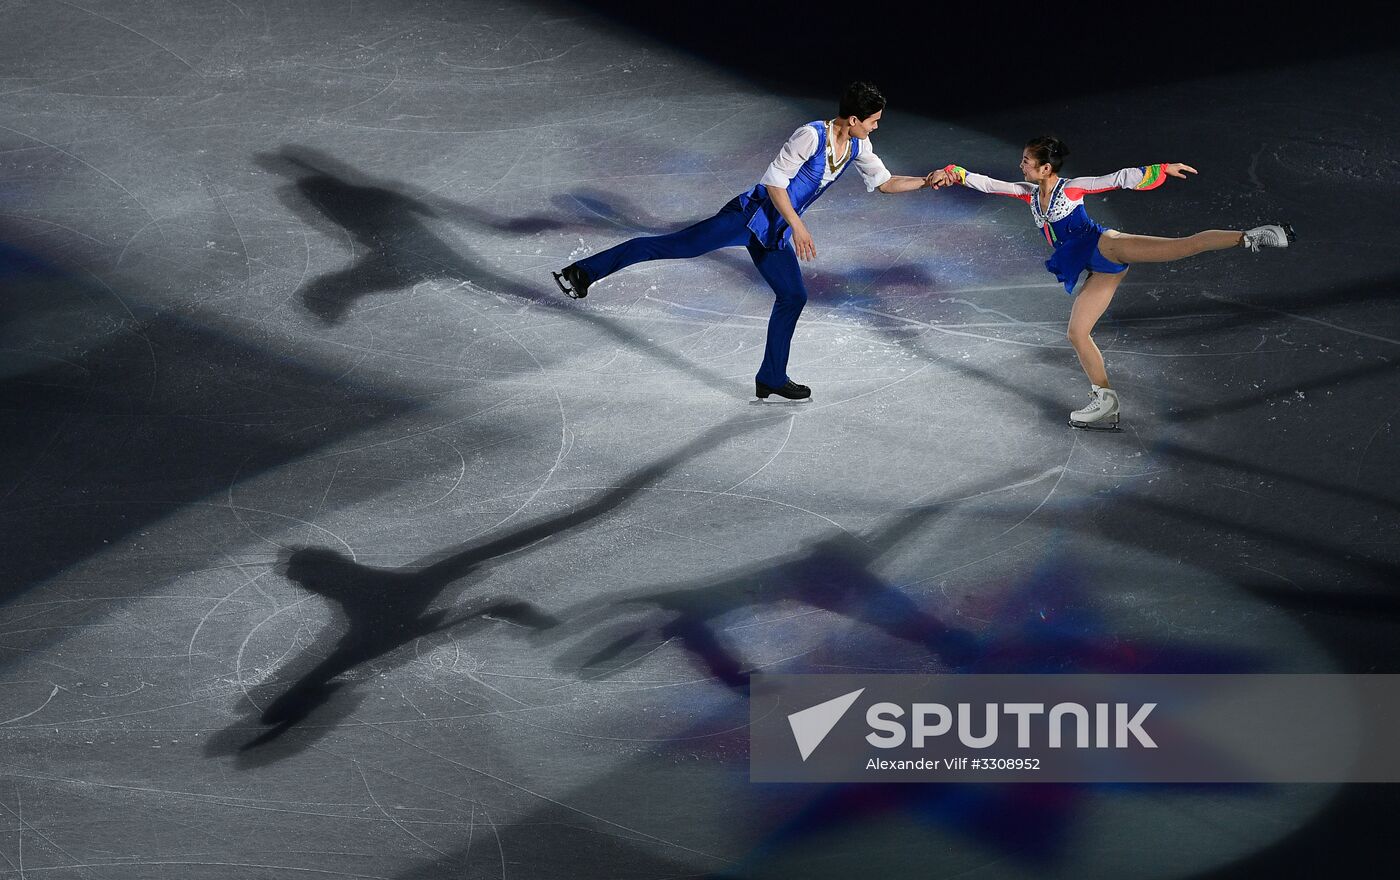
1048,150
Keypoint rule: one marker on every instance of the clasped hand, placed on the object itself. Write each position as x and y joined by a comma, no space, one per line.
938,179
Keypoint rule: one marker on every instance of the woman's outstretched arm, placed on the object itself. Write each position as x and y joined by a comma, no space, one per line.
983,183
1140,177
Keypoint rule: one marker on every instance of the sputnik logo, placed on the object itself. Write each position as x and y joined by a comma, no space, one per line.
810,726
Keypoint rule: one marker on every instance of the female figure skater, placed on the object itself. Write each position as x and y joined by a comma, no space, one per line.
1081,244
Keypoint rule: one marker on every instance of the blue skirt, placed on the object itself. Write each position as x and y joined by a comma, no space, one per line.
1077,254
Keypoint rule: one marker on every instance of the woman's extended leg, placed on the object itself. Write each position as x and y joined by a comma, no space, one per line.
1089,305
1120,247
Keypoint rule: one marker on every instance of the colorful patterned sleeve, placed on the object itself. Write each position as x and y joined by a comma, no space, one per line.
983,183
1142,177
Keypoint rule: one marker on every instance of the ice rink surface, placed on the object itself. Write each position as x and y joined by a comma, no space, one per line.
337,543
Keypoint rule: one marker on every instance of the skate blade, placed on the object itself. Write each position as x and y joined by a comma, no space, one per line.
1105,426
565,288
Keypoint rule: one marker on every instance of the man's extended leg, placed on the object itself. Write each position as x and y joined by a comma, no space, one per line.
779,268
726,229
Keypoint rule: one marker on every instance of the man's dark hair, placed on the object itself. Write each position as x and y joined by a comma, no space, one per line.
861,100
1048,150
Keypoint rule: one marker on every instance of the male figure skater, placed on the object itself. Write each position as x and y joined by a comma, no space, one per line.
768,221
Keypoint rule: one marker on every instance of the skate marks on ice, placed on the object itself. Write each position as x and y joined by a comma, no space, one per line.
1291,391
381,610
913,337
1255,526
1277,315
152,419
1210,459
837,574
923,338
1048,621
1243,312
1357,626
394,225
1344,563
1153,518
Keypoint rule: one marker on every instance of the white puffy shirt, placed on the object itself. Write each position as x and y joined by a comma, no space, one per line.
803,145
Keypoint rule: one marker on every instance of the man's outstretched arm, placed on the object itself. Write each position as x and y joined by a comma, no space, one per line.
901,184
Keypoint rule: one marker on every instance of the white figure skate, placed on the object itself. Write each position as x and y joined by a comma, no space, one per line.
1101,414
1272,235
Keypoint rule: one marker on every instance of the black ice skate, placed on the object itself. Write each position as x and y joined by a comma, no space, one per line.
572,282
792,391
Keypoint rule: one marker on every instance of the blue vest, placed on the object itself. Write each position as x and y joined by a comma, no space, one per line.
767,225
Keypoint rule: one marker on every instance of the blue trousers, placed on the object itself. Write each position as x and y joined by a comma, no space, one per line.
728,228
